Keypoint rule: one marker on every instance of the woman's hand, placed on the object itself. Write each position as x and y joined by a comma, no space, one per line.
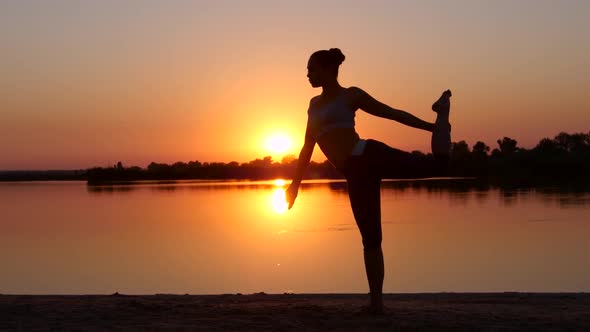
291,193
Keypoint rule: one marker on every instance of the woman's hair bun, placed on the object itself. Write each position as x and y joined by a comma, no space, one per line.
336,55
331,57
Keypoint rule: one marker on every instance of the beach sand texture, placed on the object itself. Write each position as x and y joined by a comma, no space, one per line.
297,312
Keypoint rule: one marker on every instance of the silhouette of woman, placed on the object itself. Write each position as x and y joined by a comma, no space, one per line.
364,163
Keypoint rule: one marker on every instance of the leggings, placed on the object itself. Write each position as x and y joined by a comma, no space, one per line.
364,173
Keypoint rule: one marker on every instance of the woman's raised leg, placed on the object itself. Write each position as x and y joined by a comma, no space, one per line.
392,163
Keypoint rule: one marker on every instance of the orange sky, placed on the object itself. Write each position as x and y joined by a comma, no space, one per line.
90,84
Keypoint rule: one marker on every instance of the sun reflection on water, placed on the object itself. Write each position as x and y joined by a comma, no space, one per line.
279,199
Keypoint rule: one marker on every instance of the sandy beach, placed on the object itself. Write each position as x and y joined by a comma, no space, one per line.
297,312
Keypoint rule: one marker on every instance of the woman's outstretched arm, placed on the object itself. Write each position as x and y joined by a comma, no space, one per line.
377,108
302,163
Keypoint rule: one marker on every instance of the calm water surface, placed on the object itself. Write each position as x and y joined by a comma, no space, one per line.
210,238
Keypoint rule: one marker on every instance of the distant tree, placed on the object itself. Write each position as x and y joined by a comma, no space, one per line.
480,150
496,153
460,150
156,167
264,162
562,141
288,159
547,145
179,165
418,153
507,146
577,142
194,164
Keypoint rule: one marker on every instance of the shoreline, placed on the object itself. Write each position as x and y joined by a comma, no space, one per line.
507,311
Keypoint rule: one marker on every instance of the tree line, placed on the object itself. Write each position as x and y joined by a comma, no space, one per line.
565,155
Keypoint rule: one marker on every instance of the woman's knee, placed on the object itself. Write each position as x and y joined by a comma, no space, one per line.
371,242
372,235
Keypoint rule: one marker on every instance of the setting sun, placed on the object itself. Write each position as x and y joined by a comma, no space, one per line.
279,143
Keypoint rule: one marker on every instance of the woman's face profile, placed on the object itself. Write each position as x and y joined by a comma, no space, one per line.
316,73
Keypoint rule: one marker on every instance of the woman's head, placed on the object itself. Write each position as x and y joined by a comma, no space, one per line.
323,66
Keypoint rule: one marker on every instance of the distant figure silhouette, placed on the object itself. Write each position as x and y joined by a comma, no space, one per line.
364,163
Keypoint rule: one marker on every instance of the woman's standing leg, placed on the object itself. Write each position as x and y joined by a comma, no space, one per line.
364,190
365,199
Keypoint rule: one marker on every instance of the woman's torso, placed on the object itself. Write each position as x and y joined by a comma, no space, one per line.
332,125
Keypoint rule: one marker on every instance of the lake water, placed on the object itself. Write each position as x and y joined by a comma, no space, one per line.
230,237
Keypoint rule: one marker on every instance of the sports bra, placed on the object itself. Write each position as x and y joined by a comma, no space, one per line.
334,114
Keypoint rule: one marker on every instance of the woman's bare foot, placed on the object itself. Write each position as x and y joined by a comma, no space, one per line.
441,135
442,105
373,310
